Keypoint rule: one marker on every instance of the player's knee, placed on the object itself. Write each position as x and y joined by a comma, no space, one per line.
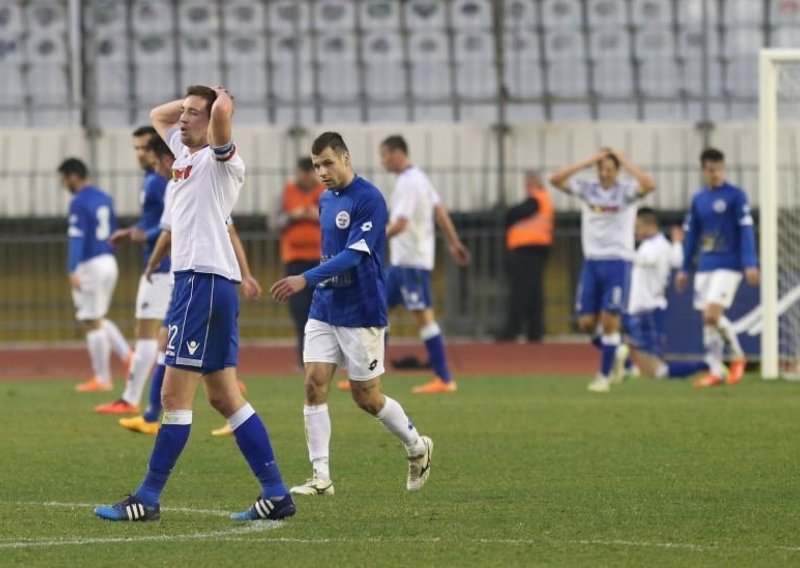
367,402
710,318
316,391
587,324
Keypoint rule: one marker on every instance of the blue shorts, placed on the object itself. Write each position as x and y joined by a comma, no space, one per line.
646,331
408,286
202,332
603,287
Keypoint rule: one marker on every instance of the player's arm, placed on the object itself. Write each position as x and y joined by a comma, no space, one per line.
676,248
691,228
250,286
166,116
457,249
560,178
75,234
220,133
396,227
747,241
342,262
160,250
646,183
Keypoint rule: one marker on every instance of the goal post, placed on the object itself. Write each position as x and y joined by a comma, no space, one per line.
779,209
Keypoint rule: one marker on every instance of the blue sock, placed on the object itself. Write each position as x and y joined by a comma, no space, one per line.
253,440
153,409
171,439
608,349
682,369
431,334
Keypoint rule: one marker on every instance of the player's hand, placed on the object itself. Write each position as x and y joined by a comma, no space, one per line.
119,236
681,281
288,286
148,272
136,235
676,233
460,253
219,89
752,276
251,288
75,282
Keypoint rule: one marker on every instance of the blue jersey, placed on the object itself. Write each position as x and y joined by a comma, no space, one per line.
91,221
153,189
719,223
353,217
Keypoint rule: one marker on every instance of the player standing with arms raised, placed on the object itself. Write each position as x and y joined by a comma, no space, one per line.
348,316
203,329
719,223
93,270
608,216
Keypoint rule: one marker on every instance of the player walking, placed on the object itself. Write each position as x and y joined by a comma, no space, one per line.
607,237
203,331
93,271
348,315
719,223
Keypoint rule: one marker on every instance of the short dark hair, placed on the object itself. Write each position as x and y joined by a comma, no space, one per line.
207,93
145,131
611,157
159,147
396,142
648,215
711,155
305,164
332,140
74,166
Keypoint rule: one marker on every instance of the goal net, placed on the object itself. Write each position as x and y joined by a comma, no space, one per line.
779,208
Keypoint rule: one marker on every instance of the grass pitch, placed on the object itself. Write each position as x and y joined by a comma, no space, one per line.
527,471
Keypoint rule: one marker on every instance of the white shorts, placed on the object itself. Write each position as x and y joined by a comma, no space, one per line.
152,298
359,350
716,287
98,278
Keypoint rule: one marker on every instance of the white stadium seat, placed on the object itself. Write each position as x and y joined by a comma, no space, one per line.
520,13
151,16
742,12
562,14
690,42
337,82
197,16
379,15
654,44
784,12
471,14
693,77
474,45
742,41
613,77
334,15
741,75
430,70
288,15
651,13
609,43
46,17
608,13
241,15
568,79
425,15
564,45
659,77
10,19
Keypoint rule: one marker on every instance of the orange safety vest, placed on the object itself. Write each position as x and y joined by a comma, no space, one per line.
536,230
302,239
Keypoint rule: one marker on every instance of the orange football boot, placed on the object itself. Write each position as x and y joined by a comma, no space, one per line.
436,386
117,407
736,373
94,385
707,380
344,385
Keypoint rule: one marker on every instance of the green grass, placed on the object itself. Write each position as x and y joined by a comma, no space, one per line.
526,472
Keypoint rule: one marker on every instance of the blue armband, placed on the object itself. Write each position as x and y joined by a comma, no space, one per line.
343,261
224,152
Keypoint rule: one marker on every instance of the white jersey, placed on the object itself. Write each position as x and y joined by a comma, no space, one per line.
608,217
652,264
202,198
413,199
165,222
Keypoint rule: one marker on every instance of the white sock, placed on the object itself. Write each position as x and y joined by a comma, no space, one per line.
100,354
714,345
662,371
394,418
241,416
729,337
430,331
118,342
318,438
144,354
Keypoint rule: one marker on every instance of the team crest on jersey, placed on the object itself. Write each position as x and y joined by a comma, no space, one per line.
183,173
719,205
343,219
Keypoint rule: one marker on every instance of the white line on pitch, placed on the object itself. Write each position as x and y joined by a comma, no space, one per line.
212,512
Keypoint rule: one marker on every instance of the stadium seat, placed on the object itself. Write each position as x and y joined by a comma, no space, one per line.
284,46
12,88
659,77
523,70
339,82
10,20
282,83
654,43
288,15
471,14
691,13
430,70
609,43
690,42
109,16
474,45
693,77
562,14
473,82
564,45
613,77
424,15
151,16
651,13
742,12
608,13
154,56
46,48
520,13
334,15
568,79
379,15
46,17
742,41
385,80
784,12
741,75
241,15
786,36
197,16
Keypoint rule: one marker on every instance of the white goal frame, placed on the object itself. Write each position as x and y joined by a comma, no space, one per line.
769,60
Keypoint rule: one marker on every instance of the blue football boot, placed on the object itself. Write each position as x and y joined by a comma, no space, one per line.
267,510
129,509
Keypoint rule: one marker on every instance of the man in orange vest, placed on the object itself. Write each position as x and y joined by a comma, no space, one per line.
300,238
529,235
